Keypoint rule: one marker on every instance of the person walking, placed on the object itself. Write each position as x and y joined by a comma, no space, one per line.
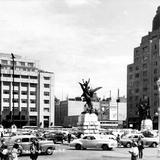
69,137
118,140
14,152
34,150
134,151
140,148
5,153
3,146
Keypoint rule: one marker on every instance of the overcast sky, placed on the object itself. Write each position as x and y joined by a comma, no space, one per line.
77,39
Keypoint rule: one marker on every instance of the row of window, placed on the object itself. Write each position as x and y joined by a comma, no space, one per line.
22,84
26,84
24,92
7,62
24,76
144,66
19,69
32,101
137,75
18,76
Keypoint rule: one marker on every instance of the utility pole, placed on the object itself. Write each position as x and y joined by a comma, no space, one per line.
12,116
0,95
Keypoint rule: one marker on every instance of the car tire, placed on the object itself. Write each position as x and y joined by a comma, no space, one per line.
105,147
78,147
128,145
49,151
154,145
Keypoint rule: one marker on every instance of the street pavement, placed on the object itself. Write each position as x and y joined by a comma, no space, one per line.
64,152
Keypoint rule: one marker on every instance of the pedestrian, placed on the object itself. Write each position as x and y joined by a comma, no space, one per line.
134,151
3,144
5,153
69,137
140,148
14,152
34,150
118,140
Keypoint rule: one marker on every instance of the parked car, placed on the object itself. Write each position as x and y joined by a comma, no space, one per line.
127,140
25,141
93,141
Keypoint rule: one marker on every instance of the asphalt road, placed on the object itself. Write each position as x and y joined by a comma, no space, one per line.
64,152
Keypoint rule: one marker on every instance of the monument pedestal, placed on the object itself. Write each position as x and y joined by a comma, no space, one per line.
146,124
88,123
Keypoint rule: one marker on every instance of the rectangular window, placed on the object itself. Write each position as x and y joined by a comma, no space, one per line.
16,76
24,92
16,100
6,75
130,76
24,100
15,92
32,93
33,109
5,91
46,101
6,83
137,75
22,63
33,77
24,84
12,63
24,76
46,85
32,101
46,109
46,93
5,99
30,64
47,78
130,69
33,85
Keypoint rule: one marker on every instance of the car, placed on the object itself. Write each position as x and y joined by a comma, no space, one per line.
55,137
93,141
127,140
25,141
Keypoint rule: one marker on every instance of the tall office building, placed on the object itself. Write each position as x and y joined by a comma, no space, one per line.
30,101
143,74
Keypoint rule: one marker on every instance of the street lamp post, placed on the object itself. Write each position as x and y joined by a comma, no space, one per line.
12,116
158,83
118,100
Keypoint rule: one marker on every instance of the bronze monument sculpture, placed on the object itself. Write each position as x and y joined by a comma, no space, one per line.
87,96
144,109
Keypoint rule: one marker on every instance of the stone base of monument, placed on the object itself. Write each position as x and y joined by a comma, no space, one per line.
88,123
146,124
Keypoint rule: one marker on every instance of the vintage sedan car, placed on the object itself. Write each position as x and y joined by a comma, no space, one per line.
127,140
55,137
93,141
25,141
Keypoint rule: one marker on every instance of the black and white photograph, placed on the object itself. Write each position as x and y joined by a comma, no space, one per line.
79,79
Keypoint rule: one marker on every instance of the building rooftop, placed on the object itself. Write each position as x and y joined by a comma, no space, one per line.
156,20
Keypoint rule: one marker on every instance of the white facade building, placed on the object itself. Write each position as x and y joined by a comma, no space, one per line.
33,93
118,111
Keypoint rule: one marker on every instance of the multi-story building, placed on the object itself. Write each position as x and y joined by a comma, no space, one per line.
143,74
30,101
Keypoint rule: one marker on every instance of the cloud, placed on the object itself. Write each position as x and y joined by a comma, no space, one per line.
75,3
